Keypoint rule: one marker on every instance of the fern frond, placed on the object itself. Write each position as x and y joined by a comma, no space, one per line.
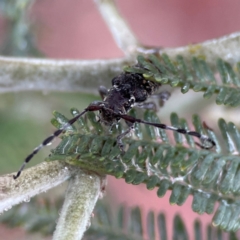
154,158
198,76
124,224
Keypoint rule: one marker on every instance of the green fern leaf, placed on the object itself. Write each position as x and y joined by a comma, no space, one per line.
223,79
124,223
153,157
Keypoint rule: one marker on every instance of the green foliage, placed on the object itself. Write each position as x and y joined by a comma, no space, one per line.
37,216
198,75
40,215
152,157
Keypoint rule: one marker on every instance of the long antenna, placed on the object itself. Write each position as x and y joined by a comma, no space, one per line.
47,141
203,138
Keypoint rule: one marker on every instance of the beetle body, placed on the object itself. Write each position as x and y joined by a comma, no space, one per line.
128,90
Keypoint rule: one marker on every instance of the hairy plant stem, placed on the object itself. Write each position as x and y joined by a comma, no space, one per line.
82,194
121,32
33,181
22,74
226,48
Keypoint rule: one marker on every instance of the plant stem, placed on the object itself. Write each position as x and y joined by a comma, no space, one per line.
22,74
32,181
121,32
226,48
81,196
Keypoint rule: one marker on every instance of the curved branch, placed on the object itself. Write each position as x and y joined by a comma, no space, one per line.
32,182
121,32
21,74
226,48
82,194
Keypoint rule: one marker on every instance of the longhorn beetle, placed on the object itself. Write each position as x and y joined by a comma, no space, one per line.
127,91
